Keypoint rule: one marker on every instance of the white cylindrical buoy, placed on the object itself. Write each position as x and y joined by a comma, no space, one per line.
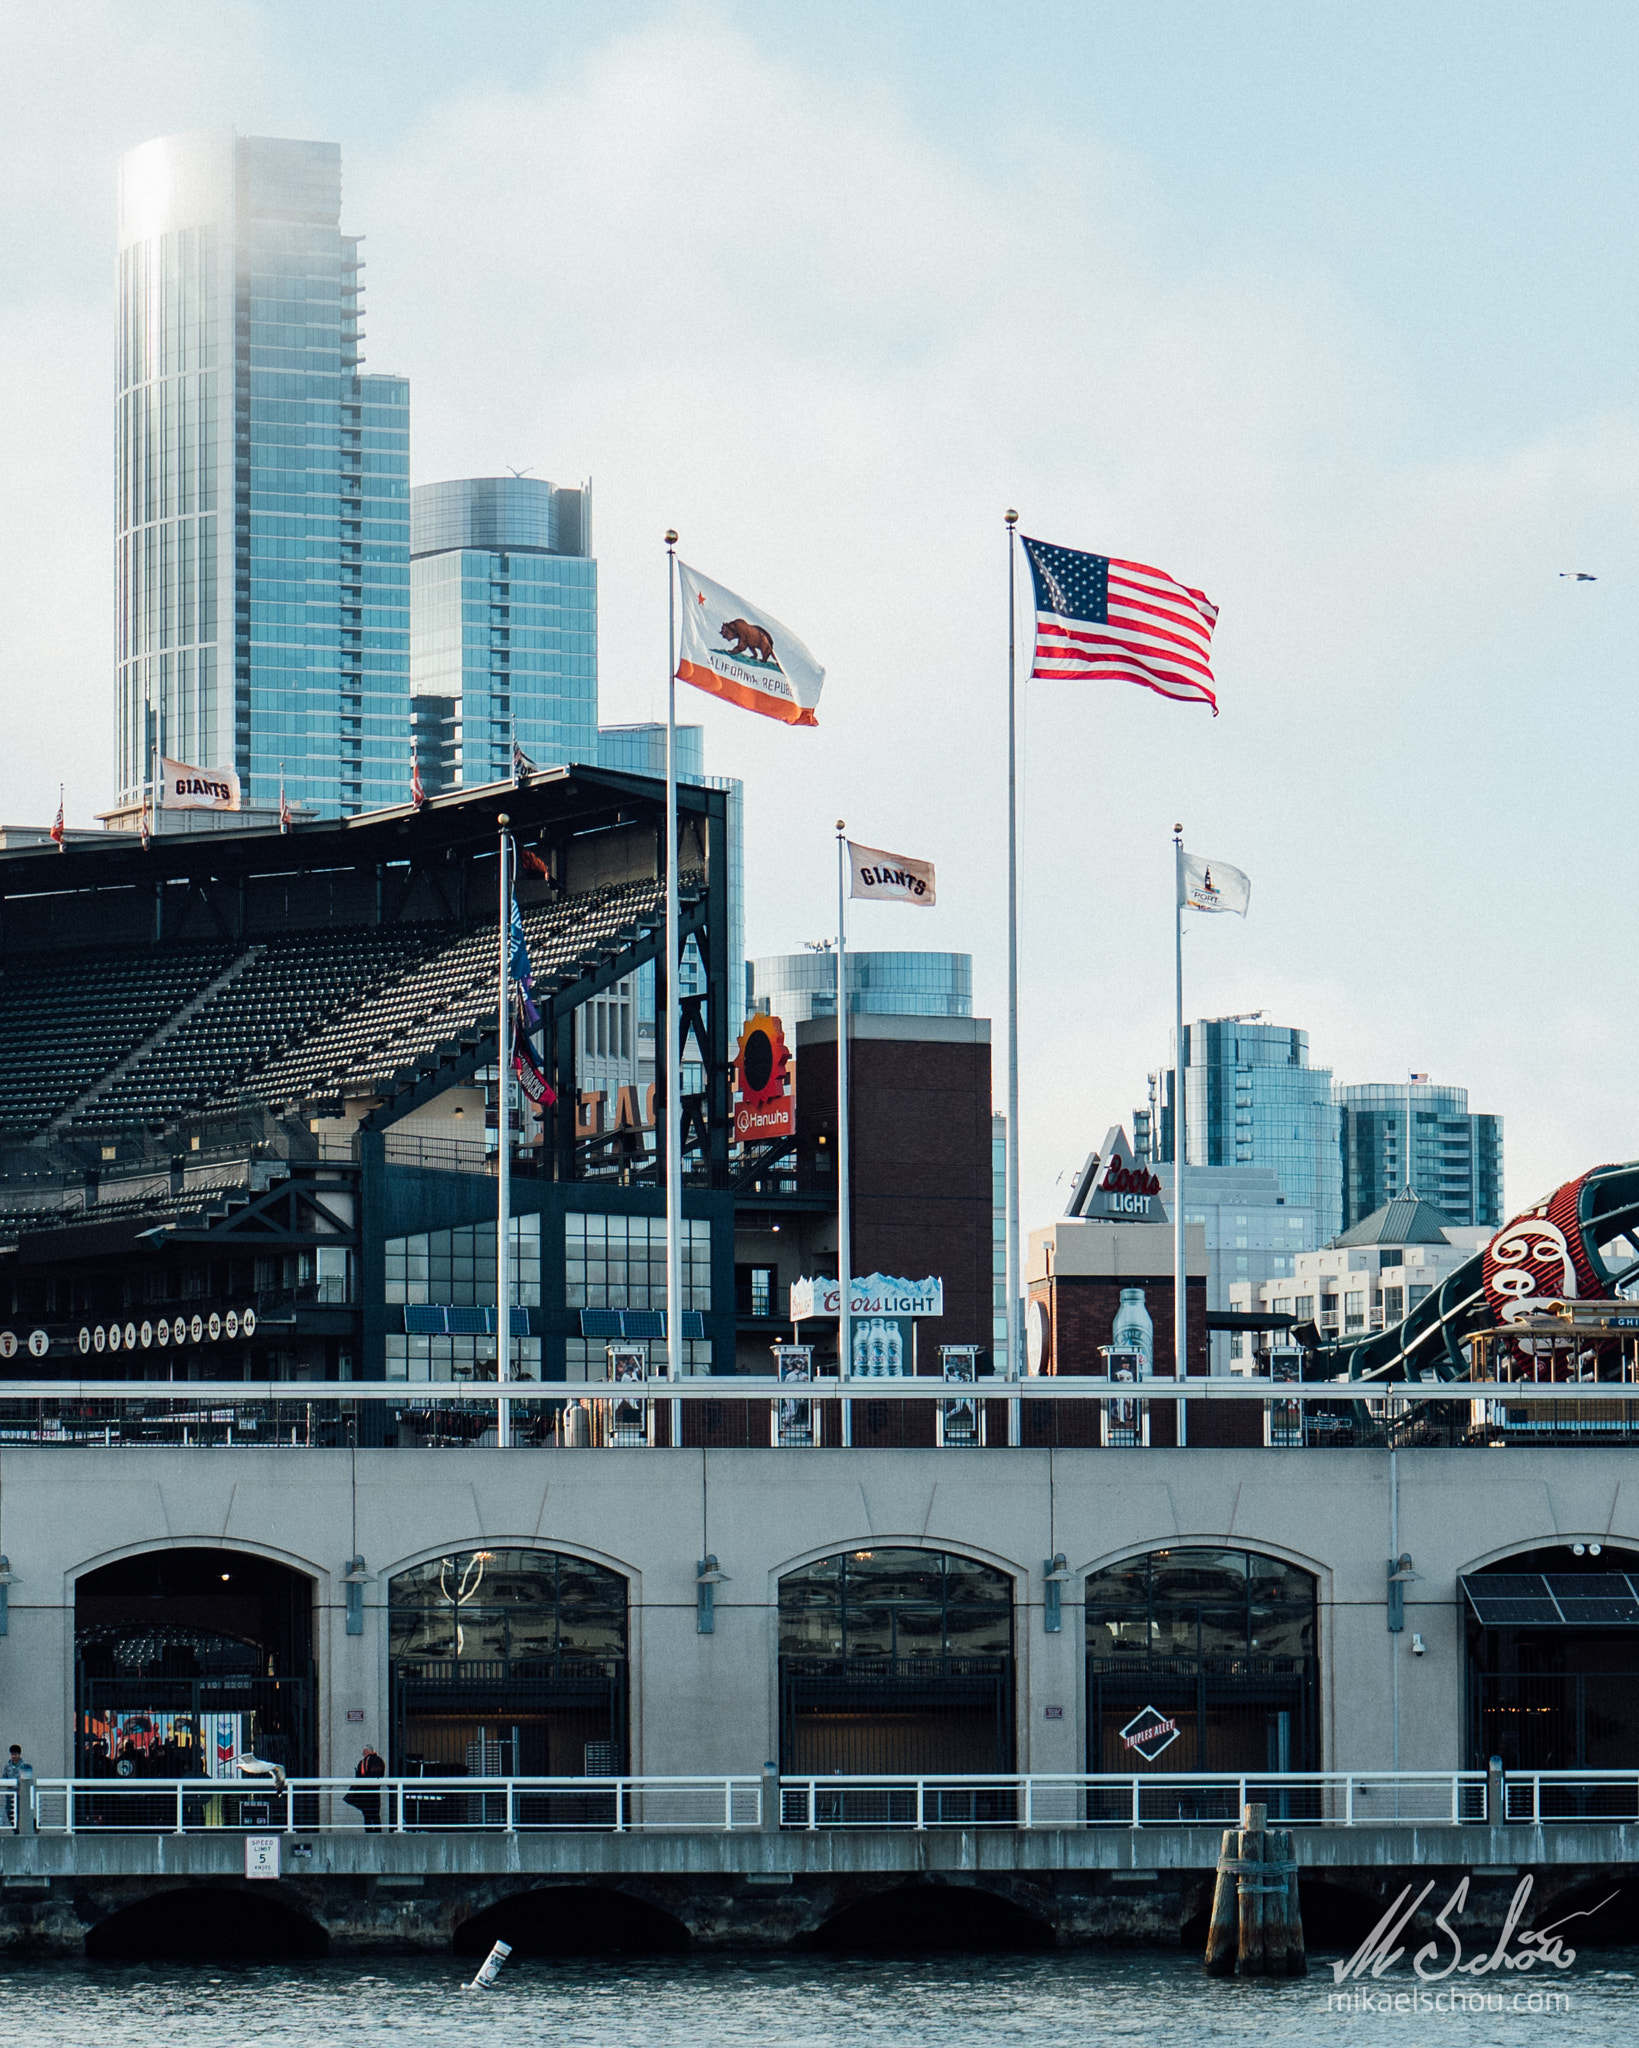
491,1966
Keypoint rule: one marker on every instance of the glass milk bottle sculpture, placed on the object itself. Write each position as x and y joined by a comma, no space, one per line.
1132,1330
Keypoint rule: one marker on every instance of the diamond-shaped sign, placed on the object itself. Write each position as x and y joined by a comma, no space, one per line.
1150,1733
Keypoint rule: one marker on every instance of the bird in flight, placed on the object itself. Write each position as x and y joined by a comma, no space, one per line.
1576,576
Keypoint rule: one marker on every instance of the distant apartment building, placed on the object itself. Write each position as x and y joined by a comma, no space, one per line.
1366,1279
1455,1158
503,627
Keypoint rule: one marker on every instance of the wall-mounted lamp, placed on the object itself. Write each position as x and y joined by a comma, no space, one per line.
1401,1576
1586,1549
355,1579
1418,1647
708,1576
8,1579
1055,1575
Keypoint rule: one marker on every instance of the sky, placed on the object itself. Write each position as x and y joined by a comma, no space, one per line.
1328,310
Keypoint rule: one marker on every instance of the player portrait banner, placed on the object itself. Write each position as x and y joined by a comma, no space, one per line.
879,877
185,788
734,651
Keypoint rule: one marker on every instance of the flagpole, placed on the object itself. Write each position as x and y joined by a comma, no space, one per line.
845,1233
1012,982
1180,1278
503,1174
674,1049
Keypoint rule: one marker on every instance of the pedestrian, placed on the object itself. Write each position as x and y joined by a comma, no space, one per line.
369,1766
20,1774
15,1766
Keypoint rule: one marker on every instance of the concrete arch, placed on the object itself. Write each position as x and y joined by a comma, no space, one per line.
1017,1572
631,1573
202,1922
929,1915
273,1553
1213,1540
1558,1539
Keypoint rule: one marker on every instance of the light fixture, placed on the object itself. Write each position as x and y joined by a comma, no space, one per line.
1594,1549
1401,1576
708,1576
225,1577
8,1579
1418,1647
355,1579
1055,1572
1579,1549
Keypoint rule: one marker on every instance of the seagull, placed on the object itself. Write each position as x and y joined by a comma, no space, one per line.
1576,576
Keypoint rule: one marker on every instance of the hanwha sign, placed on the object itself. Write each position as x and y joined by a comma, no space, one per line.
764,1106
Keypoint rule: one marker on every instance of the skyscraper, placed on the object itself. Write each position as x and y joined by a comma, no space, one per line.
504,627
1456,1158
1253,1100
263,569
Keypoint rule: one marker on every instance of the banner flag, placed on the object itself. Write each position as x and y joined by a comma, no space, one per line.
185,788
734,651
878,877
1214,885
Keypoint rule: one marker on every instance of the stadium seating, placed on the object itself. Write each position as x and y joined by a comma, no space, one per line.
109,1041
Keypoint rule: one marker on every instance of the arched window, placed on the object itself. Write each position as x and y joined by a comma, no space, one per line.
1220,1644
509,1663
896,1660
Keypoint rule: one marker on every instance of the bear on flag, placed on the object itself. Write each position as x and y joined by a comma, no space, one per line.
736,652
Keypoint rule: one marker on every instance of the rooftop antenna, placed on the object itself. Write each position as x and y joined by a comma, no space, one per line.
520,472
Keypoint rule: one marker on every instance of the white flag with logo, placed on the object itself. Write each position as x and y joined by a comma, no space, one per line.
889,877
1214,885
184,788
735,651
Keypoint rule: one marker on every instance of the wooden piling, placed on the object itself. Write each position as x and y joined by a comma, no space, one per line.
1249,1959
1276,1900
1223,1930
1297,1960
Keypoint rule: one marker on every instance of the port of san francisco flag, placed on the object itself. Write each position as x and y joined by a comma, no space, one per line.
1099,619
745,655
1213,885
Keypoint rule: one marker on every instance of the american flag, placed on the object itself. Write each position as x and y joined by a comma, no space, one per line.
284,802
418,793
58,835
1099,619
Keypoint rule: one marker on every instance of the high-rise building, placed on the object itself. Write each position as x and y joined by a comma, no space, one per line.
1252,1100
1456,1158
797,986
262,482
504,627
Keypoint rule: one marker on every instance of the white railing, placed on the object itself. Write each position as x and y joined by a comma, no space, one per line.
192,1806
1152,1799
1534,1797
1143,1799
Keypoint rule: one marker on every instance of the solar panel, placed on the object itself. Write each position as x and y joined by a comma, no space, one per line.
1559,1600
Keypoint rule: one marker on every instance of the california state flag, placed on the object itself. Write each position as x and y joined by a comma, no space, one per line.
735,651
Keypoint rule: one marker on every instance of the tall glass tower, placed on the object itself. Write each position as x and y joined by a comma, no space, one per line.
263,560
1253,1100
504,595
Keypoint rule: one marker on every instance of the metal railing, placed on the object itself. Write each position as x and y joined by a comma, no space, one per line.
393,1805
1142,1799
734,1804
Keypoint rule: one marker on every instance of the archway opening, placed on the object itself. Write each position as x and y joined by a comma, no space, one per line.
897,1661
206,1924
510,1663
186,1659
933,1919
573,1920
1553,1665
1202,1660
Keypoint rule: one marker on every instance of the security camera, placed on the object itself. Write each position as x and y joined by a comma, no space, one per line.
1418,1647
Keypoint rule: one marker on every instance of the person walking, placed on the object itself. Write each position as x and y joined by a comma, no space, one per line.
20,1774
15,1766
370,1766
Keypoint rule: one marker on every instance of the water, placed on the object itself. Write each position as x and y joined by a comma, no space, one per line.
807,2002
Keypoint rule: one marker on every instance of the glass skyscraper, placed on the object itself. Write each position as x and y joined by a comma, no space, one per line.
797,986
263,567
1253,1100
504,628
1456,1158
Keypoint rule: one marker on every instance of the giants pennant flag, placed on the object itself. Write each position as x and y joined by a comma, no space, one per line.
879,877
1099,619
735,651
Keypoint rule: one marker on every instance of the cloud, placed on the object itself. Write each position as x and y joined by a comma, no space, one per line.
831,345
